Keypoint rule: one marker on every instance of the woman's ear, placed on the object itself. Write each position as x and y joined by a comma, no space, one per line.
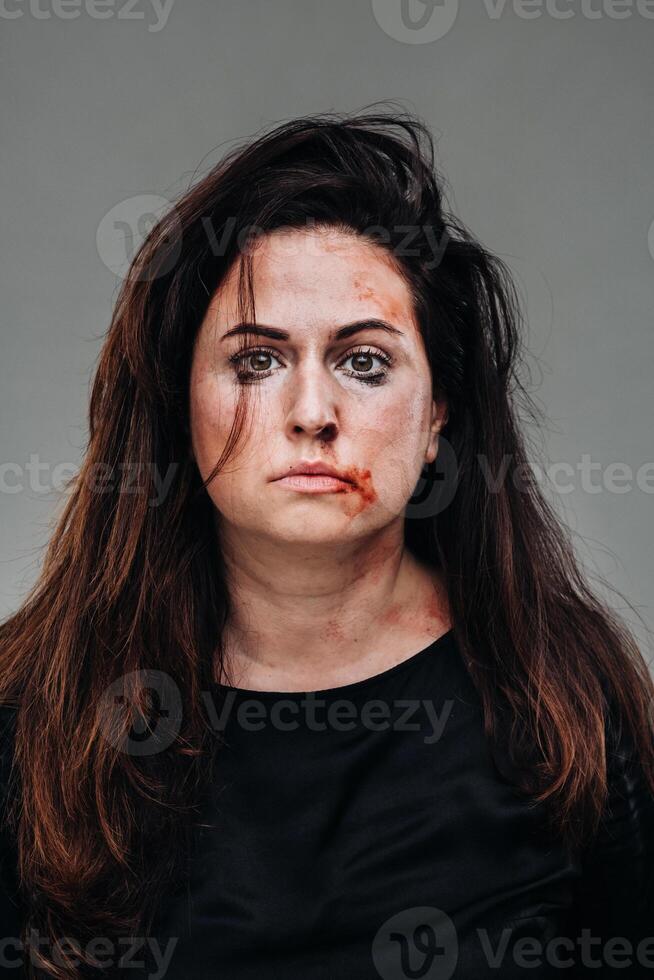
439,414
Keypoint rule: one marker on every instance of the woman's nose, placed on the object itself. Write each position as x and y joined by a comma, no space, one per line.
312,405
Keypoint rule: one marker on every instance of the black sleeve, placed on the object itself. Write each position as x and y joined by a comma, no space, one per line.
10,909
616,896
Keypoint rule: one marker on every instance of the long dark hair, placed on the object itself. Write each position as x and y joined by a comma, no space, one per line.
133,582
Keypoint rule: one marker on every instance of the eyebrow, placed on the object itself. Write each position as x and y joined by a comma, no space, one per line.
274,333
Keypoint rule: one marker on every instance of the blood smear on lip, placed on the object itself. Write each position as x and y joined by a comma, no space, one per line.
362,489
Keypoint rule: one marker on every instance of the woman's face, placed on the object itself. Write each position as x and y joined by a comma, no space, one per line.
324,385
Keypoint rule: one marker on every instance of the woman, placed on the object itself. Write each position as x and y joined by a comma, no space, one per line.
311,684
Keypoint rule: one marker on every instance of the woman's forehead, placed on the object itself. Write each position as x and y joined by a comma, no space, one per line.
318,286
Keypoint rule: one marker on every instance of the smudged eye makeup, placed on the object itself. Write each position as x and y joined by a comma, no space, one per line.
253,365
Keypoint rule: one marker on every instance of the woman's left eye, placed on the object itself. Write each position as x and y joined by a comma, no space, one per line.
368,366
364,363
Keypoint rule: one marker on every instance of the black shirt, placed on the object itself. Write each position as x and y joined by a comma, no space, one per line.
369,831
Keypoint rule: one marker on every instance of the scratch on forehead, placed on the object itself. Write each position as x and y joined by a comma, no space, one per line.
394,310
334,242
365,291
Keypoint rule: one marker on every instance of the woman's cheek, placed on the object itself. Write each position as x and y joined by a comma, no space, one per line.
394,455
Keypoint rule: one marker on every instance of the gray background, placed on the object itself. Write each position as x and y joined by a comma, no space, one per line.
544,131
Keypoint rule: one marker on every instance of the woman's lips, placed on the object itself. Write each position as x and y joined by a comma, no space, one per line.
315,483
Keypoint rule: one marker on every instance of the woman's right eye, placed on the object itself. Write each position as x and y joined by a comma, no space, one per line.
254,364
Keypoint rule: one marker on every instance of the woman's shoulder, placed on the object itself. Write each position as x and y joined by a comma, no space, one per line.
617,887
10,908
8,714
8,773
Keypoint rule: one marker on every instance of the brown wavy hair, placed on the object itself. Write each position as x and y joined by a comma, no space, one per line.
133,584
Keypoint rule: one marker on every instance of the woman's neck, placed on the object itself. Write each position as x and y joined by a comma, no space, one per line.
313,618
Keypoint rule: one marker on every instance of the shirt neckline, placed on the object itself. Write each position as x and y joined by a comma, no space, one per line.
443,640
